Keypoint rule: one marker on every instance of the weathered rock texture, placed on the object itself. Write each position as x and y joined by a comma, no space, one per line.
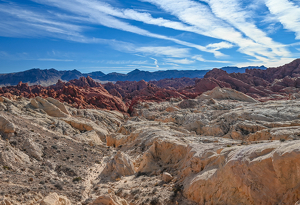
223,147
263,85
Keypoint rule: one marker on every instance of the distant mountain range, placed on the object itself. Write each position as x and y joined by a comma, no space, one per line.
51,76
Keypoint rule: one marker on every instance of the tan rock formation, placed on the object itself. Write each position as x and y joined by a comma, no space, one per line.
90,137
109,200
6,126
58,104
88,126
216,151
33,149
55,199
226,93
50,108
120,165
12,158
167,177
260,174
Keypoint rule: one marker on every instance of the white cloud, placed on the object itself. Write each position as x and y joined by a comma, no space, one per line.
179,61
232,12
266,62
201,59
226,20
52,59
32,23
221,45
164,50
287,13
102,13
155,62
222,24
124,62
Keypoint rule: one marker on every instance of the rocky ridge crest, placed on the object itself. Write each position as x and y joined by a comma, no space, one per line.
221,148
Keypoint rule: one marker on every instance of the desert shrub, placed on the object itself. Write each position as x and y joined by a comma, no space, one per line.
154,201
138,174
77,179
6,167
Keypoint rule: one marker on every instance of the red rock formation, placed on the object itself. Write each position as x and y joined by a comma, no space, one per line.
273,83
82,93
174,83
209,83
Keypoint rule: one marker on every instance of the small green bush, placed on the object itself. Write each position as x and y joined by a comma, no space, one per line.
77,179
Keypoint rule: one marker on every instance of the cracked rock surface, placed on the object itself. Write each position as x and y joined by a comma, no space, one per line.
220,148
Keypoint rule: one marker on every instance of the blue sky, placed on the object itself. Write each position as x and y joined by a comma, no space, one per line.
122,35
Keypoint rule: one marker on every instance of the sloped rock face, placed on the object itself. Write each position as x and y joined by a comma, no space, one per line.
49,108
225,93
81,93
205,84
223,147
263,85
55,199
109,200
120,165
270,84
6,126
249,171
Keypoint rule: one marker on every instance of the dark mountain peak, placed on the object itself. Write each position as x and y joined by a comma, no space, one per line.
214,73
96,74
135,71
52,69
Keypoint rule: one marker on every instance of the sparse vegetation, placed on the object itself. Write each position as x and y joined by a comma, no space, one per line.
154,201
6,167
138,174
77,179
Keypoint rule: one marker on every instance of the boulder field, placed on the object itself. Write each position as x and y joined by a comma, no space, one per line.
222,147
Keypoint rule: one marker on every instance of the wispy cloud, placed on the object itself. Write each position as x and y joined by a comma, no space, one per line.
163,51
124,62
221,45
201,59
59,60
179,61
287,13
155,62
224,20
103,14
265,62
229,24
232,12
31,23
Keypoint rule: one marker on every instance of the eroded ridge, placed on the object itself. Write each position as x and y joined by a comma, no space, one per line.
223,147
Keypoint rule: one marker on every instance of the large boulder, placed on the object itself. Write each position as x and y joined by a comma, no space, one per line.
11,157
226,94
50,108
255,174
120,165
33,149
6,126
90,137
109,200
55,199
84,126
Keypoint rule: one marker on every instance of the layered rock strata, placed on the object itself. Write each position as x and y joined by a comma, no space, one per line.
221,148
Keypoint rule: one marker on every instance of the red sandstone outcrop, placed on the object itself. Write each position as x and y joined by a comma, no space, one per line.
274,83
270,84
82,93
